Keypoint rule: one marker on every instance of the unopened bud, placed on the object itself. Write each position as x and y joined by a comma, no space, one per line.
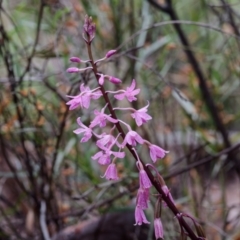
75,59
158,228
73,70
114,80
110,53
89,28
101,79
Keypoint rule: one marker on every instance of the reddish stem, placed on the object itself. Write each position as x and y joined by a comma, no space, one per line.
155,183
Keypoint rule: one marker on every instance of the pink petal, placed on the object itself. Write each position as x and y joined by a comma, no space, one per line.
82,88
153,155
110,119
143,198
79,130
132,86
158,228
96,95
85,101
136,91
97,155
144,180
86,136
111,172
119,154
120,96
130,140
139,139
102,123
101,79
79,122
104,159
137,119
140,216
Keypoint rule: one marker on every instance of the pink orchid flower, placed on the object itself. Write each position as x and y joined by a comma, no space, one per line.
103,157
132,138
156,152
141,115
83,99
106,141
143,198
129,93
158,228
83,129
144,180
101,118
111,172
140,217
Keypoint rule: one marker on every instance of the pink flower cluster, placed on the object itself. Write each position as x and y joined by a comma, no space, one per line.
110,147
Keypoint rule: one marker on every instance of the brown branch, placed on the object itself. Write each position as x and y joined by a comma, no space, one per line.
7,57
30,58
202,161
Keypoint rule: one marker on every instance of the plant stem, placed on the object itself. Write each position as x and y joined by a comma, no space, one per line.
154,181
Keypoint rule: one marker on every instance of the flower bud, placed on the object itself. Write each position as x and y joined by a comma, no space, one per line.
73,70
75,59
114,80
89,28
110,53
158,228
101,79
144,179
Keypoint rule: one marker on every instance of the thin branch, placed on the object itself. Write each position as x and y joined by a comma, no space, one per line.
30,58
177,22
202,161
7,56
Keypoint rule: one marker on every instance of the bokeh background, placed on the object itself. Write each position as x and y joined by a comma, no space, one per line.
185,58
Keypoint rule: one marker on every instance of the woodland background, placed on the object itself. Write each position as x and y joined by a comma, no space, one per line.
189,73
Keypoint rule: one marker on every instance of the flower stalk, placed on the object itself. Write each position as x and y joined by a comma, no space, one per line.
130,139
